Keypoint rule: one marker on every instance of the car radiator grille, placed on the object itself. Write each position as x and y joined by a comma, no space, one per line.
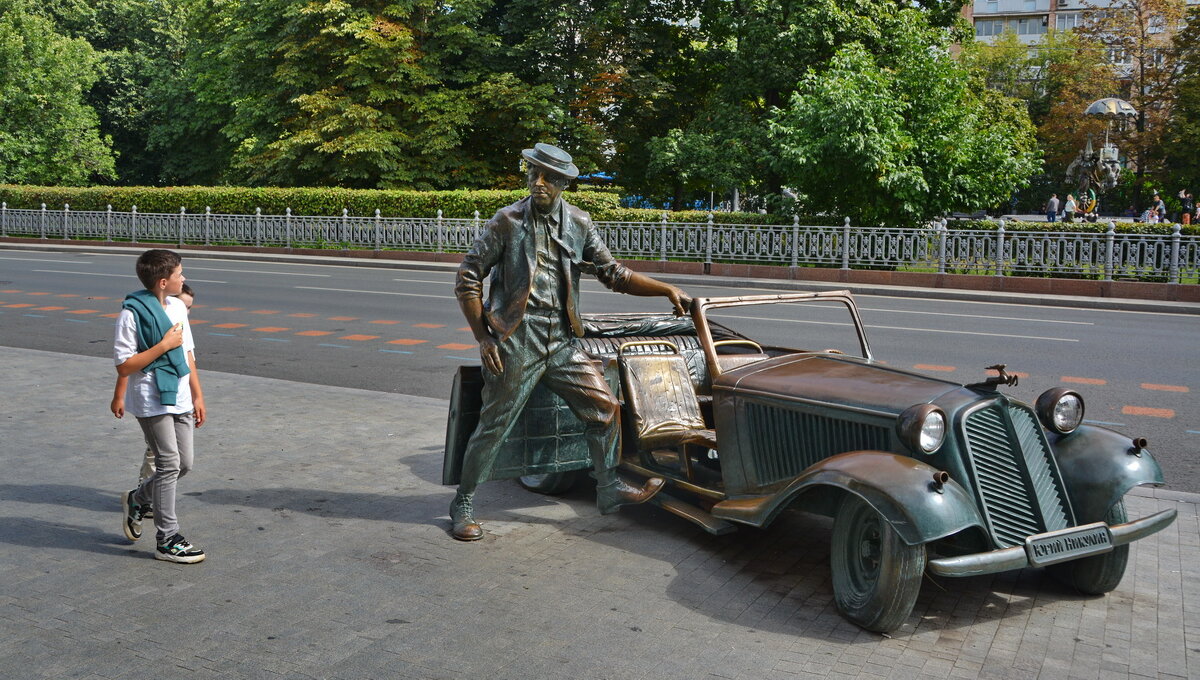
1015,477
787,442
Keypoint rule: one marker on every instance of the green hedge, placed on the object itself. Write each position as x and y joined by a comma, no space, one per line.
602,204
1098,227
274,200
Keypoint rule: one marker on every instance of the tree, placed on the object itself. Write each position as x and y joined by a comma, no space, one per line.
1138,36
1183,130
903,135
48,134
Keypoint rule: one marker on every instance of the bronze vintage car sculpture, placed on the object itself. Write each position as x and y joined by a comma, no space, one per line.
918,473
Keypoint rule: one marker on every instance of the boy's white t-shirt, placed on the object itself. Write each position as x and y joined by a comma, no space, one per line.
142,399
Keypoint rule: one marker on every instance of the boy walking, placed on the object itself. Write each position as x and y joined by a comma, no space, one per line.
153,348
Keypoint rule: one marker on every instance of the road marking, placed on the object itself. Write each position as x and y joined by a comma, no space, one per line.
111,316
116,276
20,305
1082,381
254,271
49,309
41,293
1145,411
1103,422
343,318
463,358
396,351
359,337
67,295
1164,388
406,341
37,316
455,345
377,292
78,320
303,315
429,325
84,311
230,325
229,309
315,333
934,367
330,344
439,283
387,322
271,329
896,328
1193,431
30,259
907,312
193,322
226,335
265,311
275,339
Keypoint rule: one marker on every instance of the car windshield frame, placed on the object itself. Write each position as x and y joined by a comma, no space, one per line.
701,307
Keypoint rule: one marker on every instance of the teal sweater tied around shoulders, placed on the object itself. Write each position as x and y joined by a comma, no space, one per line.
150,319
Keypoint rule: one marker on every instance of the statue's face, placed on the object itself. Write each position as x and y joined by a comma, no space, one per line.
545,186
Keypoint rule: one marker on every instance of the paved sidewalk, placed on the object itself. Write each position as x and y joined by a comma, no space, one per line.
325,523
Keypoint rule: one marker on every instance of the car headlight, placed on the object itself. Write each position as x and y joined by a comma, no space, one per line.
1060,410
922,428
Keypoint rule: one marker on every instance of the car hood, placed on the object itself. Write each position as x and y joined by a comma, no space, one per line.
840,381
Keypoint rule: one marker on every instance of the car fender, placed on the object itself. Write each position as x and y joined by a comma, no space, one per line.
901,489
1098,467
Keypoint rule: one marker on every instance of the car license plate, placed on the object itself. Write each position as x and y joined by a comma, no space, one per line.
1068,544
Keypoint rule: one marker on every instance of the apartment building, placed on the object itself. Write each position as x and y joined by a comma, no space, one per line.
1029,19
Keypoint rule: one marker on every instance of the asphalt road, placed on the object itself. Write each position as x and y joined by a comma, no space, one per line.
400,331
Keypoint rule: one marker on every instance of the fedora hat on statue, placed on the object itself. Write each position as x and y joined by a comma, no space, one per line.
551,158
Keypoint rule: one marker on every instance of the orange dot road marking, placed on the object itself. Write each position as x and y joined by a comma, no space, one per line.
229,309
1165,388
111,316
456,346
465,328
10,290
230,325
343,318
41,293
406,341
387,322
1152,412
20,305
49,309
193,322
265,311
359,338
315,333
271,329
429,325
1016,373
934,367
303,315
67,295
1083,381
84,311
99,297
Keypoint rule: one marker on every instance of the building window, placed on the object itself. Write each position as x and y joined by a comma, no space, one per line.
1065,21
1030,5
993,6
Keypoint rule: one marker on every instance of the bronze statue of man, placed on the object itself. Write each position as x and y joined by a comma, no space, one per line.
534,251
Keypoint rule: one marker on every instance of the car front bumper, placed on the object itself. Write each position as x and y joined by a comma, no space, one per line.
1008,559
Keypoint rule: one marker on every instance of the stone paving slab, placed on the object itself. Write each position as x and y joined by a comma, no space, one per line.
325,522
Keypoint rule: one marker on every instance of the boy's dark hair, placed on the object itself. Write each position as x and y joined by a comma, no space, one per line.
187,290
155,265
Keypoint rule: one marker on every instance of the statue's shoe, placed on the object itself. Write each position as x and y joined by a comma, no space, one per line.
613,495
462,519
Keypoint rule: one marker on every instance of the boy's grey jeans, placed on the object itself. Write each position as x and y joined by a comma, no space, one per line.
170,437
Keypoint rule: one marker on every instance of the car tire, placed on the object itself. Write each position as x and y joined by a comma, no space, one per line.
876,575
553,483
1098,574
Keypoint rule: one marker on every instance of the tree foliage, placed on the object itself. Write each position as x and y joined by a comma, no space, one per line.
902,135
48,134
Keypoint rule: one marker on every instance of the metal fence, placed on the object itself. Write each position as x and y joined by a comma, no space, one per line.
1171,257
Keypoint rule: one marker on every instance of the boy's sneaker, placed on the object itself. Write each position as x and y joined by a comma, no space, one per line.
132,524
178,549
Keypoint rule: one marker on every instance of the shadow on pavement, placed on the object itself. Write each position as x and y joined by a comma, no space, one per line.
36,533
74,496
388,507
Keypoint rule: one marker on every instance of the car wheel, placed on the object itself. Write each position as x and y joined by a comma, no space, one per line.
876,575
551,484
1097,574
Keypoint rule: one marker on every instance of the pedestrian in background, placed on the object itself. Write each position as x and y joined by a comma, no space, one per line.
1069,209
1052,208
1189,206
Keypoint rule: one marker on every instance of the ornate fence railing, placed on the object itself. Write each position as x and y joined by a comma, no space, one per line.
1171,257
